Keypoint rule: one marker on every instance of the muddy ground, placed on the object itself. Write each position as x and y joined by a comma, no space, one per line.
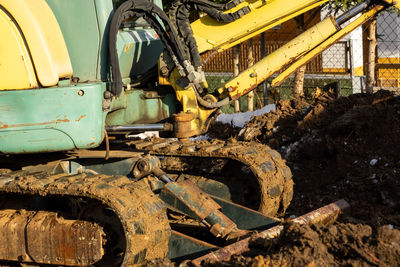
336,148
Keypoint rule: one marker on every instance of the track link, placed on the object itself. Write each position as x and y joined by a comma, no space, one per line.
141,214
273,177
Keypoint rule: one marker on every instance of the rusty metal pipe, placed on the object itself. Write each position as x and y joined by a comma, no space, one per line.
324,215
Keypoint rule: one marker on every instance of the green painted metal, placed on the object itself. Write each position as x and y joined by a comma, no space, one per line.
109,167
51,119
79,25
104,10
214,187
139,106
138,51
45,120
85,26
243,217
182,247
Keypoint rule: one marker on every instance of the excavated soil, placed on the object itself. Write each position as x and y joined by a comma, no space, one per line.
342,244
336,148
339,148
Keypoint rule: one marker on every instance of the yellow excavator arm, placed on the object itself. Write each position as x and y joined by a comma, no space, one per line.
246,19
264,15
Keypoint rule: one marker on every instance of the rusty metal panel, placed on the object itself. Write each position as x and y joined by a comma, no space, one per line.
44,238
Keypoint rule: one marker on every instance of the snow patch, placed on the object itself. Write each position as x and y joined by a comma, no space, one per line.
145,135
200,138
239,119
373,162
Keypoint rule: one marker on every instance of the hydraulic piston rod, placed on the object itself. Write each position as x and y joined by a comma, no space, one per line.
353,12
140,127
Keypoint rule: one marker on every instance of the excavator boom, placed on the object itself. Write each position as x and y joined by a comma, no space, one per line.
221,30
211,34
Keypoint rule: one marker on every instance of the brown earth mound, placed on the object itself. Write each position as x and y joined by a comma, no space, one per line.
345,148
342,244
336,148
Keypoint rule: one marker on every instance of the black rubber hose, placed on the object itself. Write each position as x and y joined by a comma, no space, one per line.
225,17
219,6
211,105
149,11
185,30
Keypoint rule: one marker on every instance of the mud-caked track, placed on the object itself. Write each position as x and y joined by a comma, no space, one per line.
133,218
256,174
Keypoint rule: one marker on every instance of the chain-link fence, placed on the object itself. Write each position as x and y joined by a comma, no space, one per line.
388,56
342,65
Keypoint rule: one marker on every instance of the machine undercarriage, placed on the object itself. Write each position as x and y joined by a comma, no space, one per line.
88,192
74,191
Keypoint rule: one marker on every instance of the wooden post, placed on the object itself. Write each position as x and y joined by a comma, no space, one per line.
263,55
372,43
236,70
250,62
299,75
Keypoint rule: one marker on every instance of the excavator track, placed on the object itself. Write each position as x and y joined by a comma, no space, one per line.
256,175
118,204
133,219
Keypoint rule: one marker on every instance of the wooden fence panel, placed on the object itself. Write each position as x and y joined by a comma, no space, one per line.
223,62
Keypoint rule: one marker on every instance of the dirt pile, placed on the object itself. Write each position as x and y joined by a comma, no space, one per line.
343,244
336,148
339,148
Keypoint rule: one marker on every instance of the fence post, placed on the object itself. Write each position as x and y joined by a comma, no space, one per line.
298,89
263,55
372,43
236,70
250,62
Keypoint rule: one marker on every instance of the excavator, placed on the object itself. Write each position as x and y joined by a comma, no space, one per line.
79,78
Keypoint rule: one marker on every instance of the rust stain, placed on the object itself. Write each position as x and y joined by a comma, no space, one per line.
5,108
43,140
64,120
128,47
91,144
5,126
81,117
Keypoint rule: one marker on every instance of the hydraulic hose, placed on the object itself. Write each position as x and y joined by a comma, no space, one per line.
150,12
211,105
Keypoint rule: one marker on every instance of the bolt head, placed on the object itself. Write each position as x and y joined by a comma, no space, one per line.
108,95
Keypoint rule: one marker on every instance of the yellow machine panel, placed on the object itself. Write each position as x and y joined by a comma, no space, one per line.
16,69
44,38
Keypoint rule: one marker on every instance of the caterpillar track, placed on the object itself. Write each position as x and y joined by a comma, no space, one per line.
131,220
262,179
